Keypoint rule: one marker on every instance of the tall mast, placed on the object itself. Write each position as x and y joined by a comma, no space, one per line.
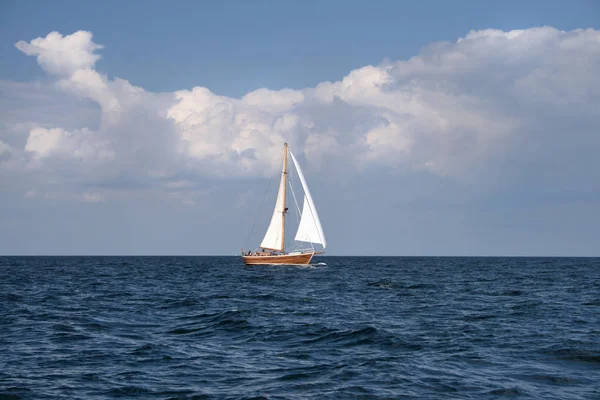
284,172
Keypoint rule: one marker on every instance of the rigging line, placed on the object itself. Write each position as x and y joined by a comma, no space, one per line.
298,212
290,179
259,210
295,201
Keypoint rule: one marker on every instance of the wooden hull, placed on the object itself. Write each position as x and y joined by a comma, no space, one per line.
289,259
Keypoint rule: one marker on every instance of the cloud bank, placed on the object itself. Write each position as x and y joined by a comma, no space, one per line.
517,107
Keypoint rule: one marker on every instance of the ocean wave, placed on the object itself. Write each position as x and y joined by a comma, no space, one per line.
208,328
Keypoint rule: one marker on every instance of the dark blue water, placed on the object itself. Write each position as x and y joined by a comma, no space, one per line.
208,327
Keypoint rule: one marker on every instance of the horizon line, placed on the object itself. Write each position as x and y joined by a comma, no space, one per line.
317,255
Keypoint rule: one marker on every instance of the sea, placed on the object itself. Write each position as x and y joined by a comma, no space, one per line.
341,328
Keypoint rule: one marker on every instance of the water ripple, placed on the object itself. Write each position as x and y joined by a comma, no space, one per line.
352,327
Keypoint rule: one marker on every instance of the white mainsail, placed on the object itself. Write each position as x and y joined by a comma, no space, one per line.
274,237
309,229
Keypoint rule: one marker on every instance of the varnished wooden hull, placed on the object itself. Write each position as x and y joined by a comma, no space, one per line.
290,259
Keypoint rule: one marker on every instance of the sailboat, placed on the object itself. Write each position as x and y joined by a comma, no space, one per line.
272,248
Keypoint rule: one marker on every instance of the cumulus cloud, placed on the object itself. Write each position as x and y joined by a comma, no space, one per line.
457,109
449,109
239,137
72,59
81,145
63,55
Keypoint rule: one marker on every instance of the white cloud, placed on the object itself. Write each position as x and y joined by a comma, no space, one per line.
63,55
72,59
80,145
274,100
239,137
457,109
43,141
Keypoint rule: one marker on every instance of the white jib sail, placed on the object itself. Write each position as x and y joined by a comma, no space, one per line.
274,237
309,229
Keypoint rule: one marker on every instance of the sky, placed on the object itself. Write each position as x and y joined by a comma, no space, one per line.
424,128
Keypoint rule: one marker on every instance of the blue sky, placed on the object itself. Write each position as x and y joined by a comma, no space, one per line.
233,47
426,128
